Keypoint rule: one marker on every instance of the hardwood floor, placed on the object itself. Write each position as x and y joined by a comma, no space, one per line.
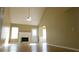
24,47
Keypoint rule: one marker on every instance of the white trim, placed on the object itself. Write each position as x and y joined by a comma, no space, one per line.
64,47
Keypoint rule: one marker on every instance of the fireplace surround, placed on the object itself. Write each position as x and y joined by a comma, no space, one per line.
25,37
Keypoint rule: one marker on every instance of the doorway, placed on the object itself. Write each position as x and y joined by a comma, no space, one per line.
42,34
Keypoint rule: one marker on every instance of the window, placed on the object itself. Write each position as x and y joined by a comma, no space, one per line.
34,35
5,33
34,32
44,34
14,33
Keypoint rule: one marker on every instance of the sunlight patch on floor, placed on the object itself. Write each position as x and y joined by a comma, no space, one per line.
32,44
13,48
33,47
44,47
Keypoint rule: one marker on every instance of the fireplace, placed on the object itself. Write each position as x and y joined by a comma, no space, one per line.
24,39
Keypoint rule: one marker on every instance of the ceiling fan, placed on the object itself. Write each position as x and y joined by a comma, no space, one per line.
28,14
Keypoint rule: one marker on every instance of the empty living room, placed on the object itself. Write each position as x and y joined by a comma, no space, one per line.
39,29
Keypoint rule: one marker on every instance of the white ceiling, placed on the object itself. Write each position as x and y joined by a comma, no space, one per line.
18,15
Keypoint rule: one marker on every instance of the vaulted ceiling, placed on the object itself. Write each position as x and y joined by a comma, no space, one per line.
18,15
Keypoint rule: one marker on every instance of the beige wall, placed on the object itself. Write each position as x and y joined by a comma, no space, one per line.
6,18
62,27
1,20
23,28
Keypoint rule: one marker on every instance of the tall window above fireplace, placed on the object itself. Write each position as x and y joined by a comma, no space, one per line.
14,33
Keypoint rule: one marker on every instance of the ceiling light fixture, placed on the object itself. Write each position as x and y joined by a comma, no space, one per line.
28,15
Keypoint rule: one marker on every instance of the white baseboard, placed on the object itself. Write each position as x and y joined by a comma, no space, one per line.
64,47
